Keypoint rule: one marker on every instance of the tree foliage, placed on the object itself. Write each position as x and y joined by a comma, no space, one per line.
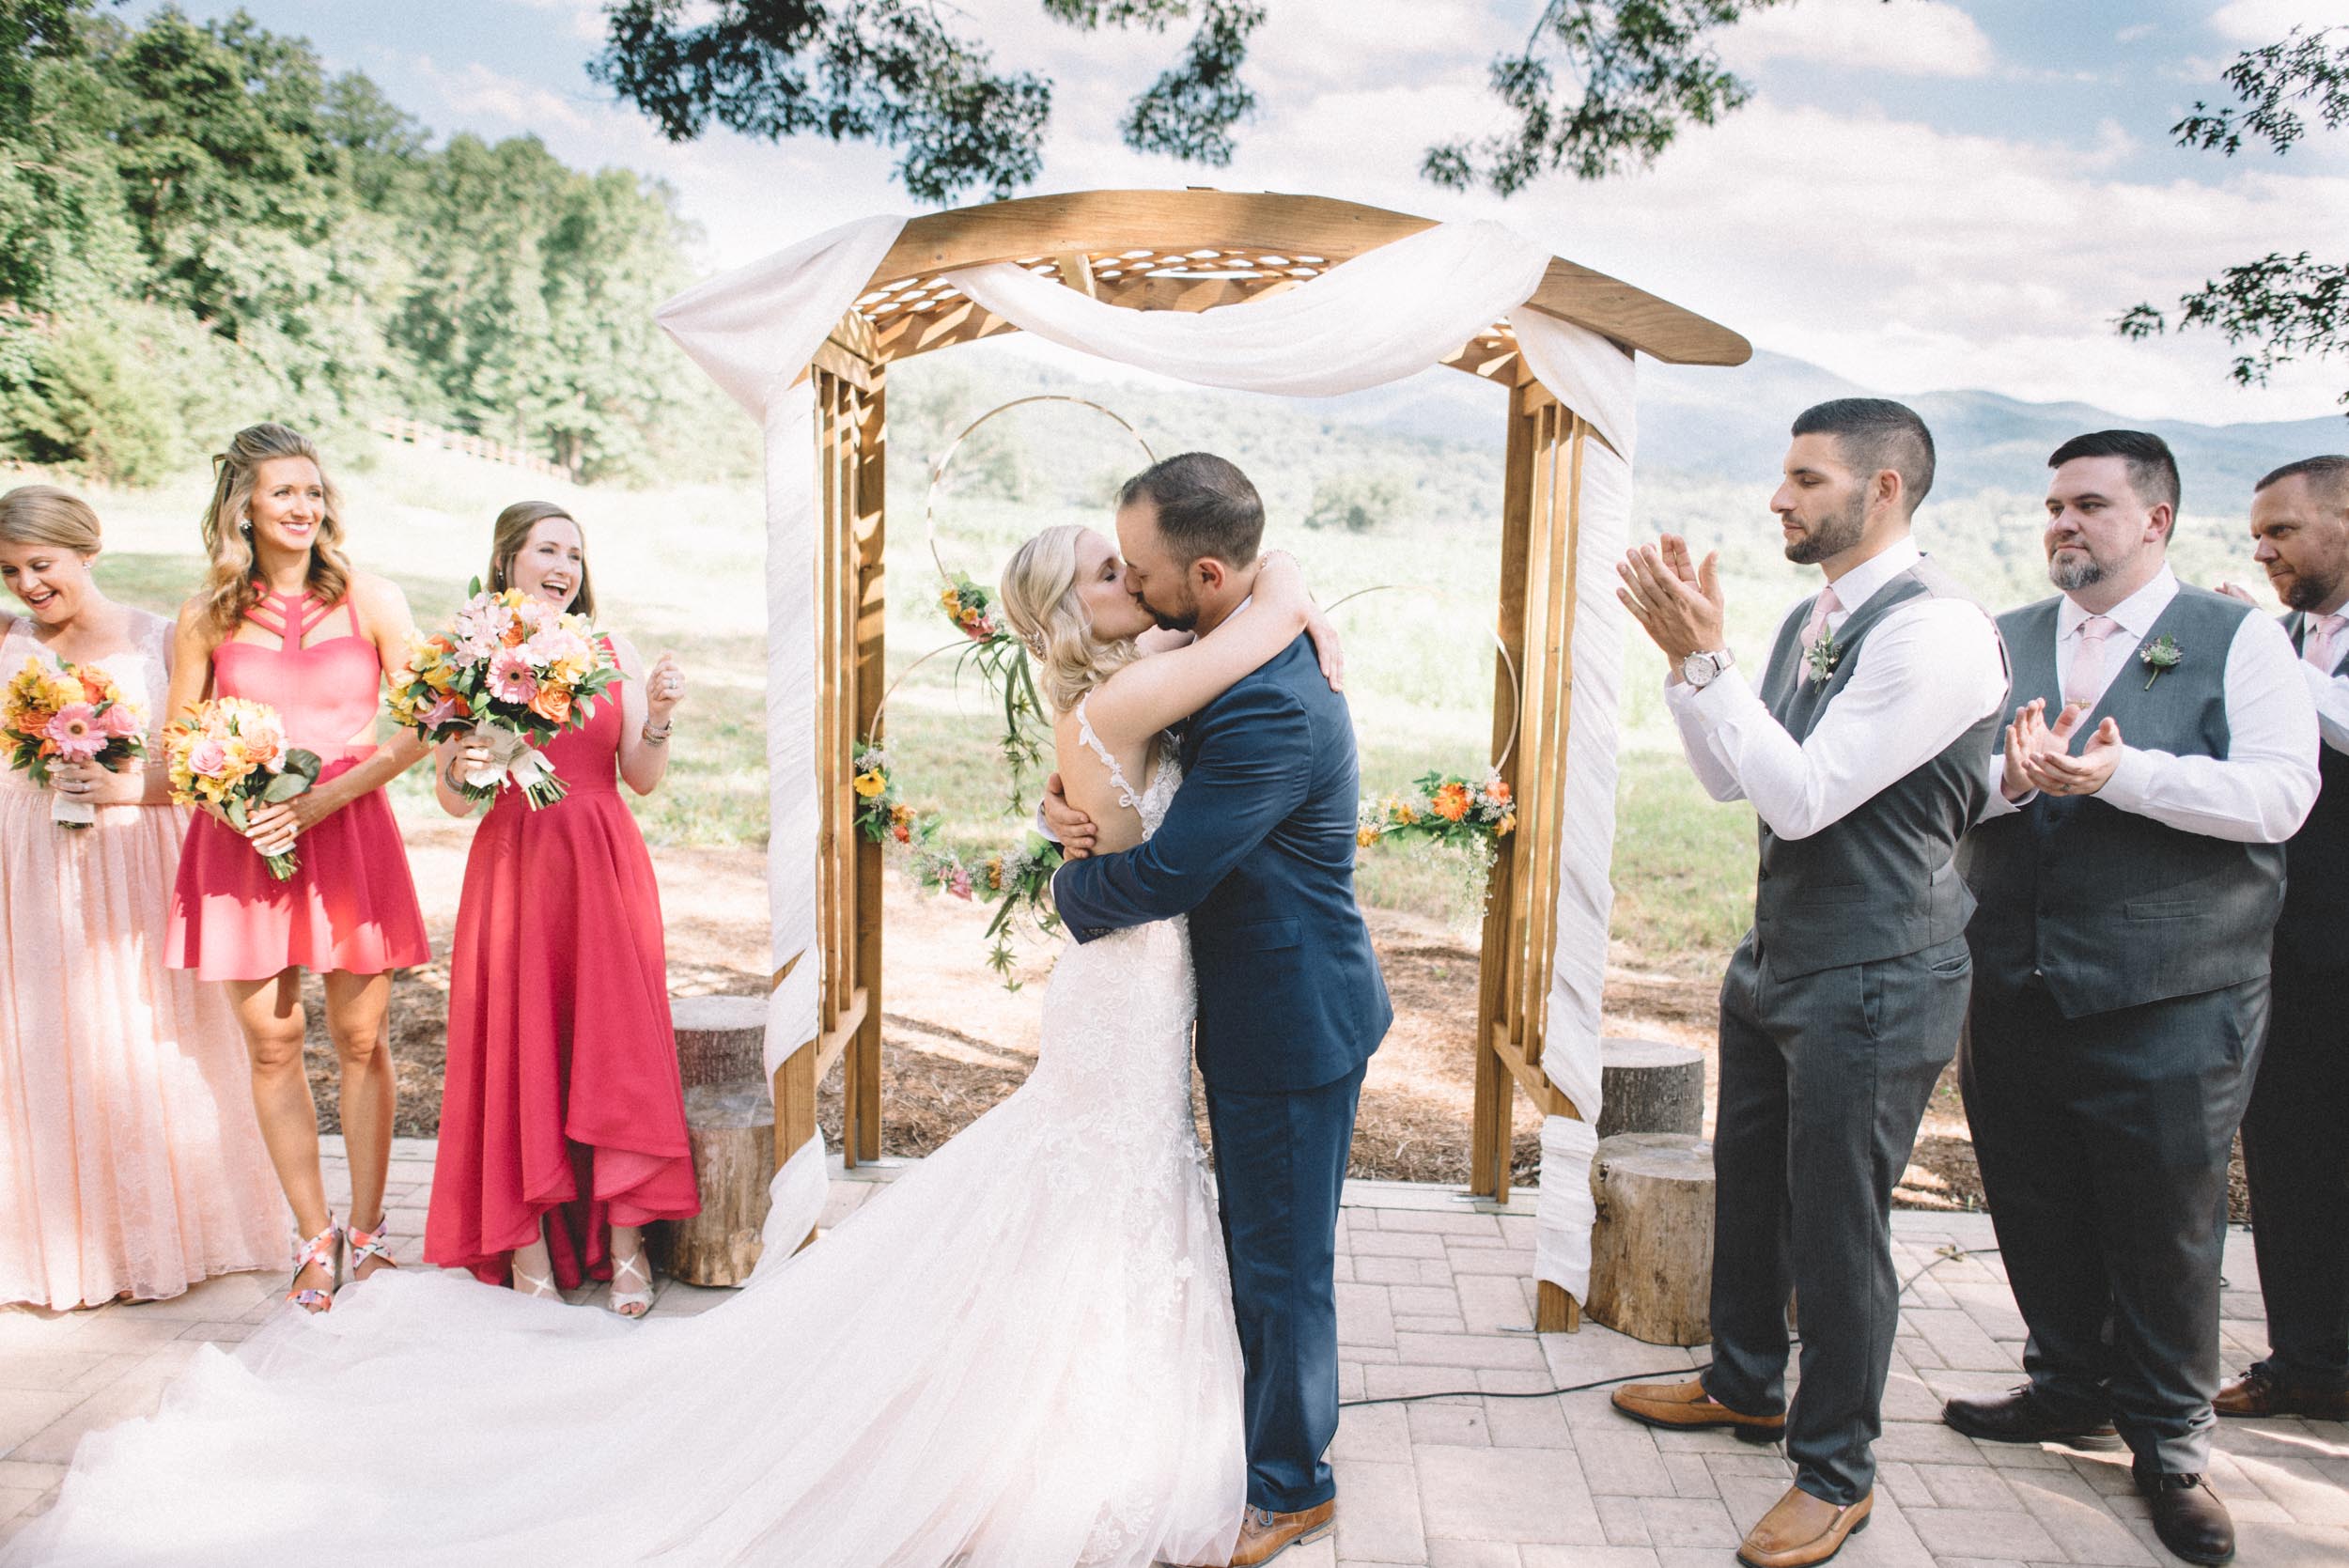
1599,86
2280,307
200,226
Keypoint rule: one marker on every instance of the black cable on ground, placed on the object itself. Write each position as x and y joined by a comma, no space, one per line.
1951,1253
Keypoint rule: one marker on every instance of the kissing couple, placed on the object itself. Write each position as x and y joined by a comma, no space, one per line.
1054,1341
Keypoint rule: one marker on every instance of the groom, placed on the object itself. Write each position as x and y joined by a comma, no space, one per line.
1259,849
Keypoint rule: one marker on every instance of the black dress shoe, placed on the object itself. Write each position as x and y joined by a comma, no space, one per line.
2022,1414
2188,1516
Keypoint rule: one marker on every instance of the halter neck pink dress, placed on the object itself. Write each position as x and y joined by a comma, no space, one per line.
561,1094
350,904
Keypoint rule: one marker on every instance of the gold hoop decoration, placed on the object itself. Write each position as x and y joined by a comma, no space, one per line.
938,470
1515,712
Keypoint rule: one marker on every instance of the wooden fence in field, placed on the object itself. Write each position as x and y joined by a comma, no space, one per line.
416,432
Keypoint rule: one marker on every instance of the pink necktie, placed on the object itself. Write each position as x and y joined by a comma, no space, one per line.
2323,649
1816,628
2086,683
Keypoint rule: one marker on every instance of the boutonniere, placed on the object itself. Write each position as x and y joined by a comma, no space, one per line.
2159,655
1822,657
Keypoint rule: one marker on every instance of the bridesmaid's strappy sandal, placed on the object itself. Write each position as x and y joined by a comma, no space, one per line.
369,1244
532,1284
640,1268
318,1249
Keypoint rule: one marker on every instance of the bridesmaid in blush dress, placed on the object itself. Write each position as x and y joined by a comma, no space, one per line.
562,1120
284,619
130,1164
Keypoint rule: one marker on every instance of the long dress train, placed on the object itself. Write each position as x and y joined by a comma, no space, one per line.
1021,1355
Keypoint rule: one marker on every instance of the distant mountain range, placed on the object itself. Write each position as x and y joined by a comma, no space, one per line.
1712,423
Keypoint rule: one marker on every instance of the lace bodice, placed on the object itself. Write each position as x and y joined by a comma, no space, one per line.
1166,774
138,670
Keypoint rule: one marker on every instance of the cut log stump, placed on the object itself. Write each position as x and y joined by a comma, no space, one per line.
1652,1250
732,1130
720,1039
1648,1086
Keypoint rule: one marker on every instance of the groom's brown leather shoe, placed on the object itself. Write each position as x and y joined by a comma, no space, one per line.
2258,1393
1266,1535
1801,1530
1687,1407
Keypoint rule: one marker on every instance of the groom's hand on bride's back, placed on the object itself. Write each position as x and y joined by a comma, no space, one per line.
1073,828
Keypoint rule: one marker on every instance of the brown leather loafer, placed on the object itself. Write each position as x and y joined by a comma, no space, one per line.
1687,1407
1265,1535
2257,1393
1801,1529
2021,1415
2188,1516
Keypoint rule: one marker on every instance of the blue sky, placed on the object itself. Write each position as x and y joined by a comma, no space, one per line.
1925,194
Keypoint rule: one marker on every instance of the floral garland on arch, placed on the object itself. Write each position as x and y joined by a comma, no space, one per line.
1442,808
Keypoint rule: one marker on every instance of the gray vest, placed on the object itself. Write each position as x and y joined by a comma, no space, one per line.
1880,883
2106,908
2314,930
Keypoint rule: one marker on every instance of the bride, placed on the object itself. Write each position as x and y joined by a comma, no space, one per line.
1019,1355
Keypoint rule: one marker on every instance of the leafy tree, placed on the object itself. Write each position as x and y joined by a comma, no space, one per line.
1358,501
1598,87
2283,307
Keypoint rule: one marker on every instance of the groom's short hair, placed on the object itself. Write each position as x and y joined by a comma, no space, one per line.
1204,507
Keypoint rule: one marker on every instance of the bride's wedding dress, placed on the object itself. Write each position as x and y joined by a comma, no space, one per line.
1019,1355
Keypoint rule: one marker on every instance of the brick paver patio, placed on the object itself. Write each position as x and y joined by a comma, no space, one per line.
1435,1298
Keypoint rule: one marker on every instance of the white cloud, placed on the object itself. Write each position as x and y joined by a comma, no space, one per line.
2259,21
580,18
1917,38
477,93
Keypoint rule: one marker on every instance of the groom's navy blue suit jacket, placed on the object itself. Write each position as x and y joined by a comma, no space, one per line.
1259,849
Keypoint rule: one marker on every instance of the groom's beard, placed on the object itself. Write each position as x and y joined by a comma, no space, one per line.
1183,619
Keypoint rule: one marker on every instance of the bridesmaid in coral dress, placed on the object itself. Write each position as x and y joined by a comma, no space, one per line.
284,619
129,1163
562,1117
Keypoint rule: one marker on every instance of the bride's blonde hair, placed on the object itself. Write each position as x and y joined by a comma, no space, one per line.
1039,595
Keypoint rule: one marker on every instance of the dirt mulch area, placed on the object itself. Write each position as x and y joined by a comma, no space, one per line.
954,1042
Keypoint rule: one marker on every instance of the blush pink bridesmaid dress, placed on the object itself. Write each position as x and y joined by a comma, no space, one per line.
129,1161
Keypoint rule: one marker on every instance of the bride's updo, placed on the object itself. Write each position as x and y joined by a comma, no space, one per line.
1039,595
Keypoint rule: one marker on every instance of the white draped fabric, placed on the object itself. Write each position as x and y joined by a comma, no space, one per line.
1385,315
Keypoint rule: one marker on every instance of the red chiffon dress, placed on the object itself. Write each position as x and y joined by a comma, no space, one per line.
562,1093
351,903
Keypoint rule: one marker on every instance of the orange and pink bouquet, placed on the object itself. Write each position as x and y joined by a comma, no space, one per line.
70,713
230,753
514,671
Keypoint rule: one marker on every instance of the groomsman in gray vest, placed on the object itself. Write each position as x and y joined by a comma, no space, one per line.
2296,1135
1865,753
2129,894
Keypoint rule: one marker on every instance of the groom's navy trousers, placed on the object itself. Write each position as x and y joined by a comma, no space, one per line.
1259,849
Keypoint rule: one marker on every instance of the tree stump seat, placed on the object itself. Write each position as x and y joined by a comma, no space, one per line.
731,1128
1649,1086
720,1039
1652,1249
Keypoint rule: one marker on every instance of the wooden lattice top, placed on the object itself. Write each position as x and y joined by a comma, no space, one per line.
1194,250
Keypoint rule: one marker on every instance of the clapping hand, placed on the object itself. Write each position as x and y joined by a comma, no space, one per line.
2038,754
1074,828
665,687
1679,603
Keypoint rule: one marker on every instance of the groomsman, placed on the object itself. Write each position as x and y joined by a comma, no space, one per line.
2296,1135
2127,892
1865,753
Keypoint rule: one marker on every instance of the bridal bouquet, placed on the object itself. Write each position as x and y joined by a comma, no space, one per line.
71,713
515,672
230,753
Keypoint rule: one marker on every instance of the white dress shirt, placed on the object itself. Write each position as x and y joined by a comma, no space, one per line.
1929,671
2260,791
2330,690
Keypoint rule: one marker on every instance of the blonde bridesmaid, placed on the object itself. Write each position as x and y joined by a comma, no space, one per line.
129,1161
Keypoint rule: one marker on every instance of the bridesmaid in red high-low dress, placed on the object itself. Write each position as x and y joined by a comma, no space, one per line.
562,1116
284,619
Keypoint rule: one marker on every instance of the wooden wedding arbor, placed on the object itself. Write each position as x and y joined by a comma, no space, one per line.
1196,250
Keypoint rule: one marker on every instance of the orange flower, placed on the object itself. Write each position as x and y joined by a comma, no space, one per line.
552,703
1451,802
516,634
902,833
1506,826
1498,790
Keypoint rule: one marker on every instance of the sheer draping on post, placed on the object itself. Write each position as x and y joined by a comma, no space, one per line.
1384,314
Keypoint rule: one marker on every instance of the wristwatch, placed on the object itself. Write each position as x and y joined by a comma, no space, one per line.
1701,670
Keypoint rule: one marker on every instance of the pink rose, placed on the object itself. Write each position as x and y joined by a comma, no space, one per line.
511,679
121,720
77,733
209,757
450,709
960,883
